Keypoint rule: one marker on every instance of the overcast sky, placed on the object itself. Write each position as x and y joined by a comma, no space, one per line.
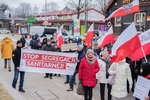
39,3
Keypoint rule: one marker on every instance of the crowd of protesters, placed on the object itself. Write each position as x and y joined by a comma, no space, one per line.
93,66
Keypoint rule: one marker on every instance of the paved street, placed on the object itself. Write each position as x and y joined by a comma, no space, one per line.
38,88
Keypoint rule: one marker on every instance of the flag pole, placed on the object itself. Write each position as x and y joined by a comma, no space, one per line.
144,54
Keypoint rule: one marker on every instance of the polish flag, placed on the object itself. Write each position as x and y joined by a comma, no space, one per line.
127,43
126,9
107,38
60,39
89,35
145,42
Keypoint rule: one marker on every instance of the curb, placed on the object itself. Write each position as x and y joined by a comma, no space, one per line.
11,91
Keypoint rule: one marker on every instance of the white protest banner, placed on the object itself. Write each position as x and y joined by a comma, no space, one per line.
68,47
142,88
48,62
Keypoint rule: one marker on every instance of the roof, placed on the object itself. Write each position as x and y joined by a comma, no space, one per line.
70,21
66,12
109,4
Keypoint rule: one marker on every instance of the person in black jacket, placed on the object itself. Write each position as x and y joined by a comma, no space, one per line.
81,54
44,42
48,47
56,49
36,44
31,41
23,41
16,56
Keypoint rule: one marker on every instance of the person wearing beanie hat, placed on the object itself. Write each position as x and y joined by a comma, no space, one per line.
48,47
103,75
81,54
87,73
16,57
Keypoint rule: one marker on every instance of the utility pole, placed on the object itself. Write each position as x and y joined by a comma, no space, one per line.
45,11
85,16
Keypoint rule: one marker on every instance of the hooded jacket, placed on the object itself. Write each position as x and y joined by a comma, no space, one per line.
6,48
122,71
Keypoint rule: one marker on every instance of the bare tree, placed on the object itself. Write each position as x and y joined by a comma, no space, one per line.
101,4
4,7
78,5
24,10
51,6
35,10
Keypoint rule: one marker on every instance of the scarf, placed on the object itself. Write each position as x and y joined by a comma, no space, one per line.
90,61
107,66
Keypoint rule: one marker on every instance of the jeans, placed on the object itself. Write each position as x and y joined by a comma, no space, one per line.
72,80
67,78
7,61
88,93
16,74
102,91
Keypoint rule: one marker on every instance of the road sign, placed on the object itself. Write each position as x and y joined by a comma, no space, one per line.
45,22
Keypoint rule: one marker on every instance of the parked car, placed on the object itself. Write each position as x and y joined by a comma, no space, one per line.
4,31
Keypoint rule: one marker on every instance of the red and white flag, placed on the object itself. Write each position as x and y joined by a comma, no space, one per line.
127,43
60,39
89,35
107,38
126,9
145,42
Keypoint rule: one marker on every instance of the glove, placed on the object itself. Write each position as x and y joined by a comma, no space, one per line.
130,86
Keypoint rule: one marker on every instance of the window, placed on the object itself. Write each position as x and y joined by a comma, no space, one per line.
118,21
139,19
125,2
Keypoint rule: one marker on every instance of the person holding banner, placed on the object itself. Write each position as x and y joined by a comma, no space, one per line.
48,47
145,72
87,73
81,54
16,57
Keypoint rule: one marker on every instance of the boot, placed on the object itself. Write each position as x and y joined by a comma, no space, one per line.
71,89
5,67
9,69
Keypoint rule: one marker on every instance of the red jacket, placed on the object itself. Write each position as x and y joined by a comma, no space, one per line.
87,73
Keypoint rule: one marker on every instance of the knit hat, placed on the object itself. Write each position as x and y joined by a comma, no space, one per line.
90,51
19,42
80,47
146,69
102,52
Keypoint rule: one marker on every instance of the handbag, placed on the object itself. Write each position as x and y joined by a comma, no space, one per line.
80,90
111,78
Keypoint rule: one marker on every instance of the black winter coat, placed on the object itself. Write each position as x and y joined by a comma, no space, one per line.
16,56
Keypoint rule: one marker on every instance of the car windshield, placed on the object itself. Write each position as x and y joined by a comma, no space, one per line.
2,29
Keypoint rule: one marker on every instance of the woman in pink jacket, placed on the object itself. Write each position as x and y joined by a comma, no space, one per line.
87,73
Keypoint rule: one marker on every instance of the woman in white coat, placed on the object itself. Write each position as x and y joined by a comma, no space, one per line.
122,71
102,75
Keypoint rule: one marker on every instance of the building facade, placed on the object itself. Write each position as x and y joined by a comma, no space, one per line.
141,19
67,16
